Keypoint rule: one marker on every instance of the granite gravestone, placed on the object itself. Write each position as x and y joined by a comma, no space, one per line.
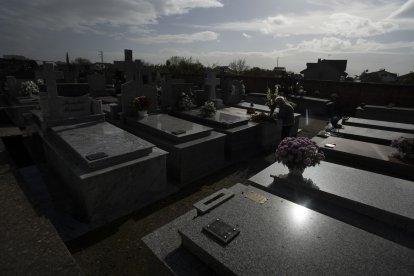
362,155
12,87
172,91
376,124
370,135
274,236
234,92
241,139
211,83
380,197
97,85
108,171
386,113
194,150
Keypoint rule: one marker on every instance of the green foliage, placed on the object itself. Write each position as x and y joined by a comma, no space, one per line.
141,103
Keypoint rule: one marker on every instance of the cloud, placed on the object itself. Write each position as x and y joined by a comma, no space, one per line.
343,46
178,38
347,25
92,15
247,35
405,11
341,18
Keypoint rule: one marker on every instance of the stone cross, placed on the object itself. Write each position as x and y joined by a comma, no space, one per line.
133,70
211,81
49,107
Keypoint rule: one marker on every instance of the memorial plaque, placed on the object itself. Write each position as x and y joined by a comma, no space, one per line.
221,231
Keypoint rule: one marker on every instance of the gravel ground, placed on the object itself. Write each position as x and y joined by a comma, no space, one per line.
117,249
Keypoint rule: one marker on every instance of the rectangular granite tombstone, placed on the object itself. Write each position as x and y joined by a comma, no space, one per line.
362,155
171,92
97,85
370,135
275,237
241,139
380,197
234,92
376,124
12,86
385,113
194,150
108,171
310,105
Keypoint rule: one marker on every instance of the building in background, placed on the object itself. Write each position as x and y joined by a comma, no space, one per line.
324,69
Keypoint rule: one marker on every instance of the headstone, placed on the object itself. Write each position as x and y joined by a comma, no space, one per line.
377,124
386,113
211,83
377,136
194,150
362,155
273,237
58,110
234,92
171,92
97,85
380,197
12,86
132,69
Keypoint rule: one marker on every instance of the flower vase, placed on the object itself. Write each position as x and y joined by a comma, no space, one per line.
142,113
296,172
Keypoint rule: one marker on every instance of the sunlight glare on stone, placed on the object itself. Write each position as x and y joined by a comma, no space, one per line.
299,213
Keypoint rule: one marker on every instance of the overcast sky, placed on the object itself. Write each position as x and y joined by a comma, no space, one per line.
371,34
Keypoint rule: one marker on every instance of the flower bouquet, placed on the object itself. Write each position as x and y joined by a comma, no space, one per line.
141,103
298,153
28,88
208,109
405,147
185,102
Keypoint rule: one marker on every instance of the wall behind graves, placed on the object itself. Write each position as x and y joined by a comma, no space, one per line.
351,94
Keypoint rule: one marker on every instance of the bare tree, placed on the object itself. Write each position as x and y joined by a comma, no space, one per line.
238,65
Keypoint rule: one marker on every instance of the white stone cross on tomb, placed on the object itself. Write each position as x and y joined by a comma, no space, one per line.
212,82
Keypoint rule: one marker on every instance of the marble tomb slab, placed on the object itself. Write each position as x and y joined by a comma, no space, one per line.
195,151
373,157
377,136
221,119
384,113
101,144
382,197
172,128
376,124
276,238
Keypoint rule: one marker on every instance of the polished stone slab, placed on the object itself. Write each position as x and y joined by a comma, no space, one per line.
373,157
376,124
256,107
197,152
222,119
384,113
276,238
377,136
112,144
382,197
172,128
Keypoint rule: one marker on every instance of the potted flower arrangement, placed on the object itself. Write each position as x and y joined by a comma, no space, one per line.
297,153
208,109
405,147
28,88
271,99
185,102
141,104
